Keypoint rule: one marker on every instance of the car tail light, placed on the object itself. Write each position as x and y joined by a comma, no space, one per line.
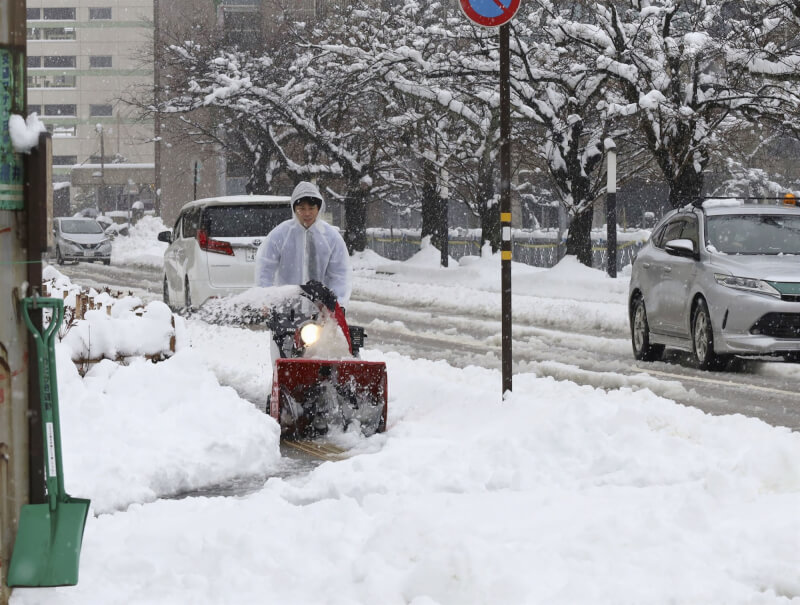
213,245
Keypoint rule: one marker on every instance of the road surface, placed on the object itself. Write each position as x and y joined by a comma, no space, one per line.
758,388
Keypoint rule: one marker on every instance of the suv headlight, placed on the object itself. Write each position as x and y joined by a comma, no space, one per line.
105,245
70,245
748,284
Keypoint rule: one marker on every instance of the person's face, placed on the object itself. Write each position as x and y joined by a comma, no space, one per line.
306,212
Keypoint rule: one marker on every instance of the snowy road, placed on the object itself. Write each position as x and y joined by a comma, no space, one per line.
465,334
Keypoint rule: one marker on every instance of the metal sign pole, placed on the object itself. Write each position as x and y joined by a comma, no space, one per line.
505,204
499,14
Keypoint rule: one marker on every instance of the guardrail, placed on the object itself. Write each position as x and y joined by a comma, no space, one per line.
533,251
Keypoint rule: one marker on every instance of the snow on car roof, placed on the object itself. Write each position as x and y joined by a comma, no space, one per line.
239,199
751,209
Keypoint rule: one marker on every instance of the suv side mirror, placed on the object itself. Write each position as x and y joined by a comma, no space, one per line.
165,236
680,247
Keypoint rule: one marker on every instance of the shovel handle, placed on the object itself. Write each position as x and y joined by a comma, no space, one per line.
48,334
48,388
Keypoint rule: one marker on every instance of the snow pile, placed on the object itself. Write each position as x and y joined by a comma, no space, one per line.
152,332
111,327
135,433
25,132
560,494
141,246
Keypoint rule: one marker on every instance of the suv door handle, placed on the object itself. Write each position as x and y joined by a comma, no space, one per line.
667,269
646,265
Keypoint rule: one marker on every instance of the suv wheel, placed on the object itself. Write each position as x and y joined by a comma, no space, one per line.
703,339
640,334
187,294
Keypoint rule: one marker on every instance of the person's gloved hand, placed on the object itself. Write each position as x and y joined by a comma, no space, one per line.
317,292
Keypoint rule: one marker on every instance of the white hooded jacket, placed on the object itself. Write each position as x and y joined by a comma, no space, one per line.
283,258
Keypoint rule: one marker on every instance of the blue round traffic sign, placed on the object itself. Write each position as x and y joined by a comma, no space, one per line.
490,13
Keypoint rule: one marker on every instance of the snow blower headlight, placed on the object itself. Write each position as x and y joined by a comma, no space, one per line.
310,333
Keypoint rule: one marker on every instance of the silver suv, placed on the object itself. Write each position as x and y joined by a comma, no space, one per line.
719,278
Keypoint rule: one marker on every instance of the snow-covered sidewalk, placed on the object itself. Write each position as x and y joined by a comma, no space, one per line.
559,494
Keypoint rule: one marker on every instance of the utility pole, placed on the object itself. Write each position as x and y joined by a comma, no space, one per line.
156,99
101,192
14,344
611,208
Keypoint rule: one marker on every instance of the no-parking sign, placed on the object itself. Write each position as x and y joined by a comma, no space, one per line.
490,13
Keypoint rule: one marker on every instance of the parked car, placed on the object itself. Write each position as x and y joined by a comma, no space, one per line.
212,247
80,239
719,279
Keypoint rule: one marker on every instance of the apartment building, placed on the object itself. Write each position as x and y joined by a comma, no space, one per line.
83,57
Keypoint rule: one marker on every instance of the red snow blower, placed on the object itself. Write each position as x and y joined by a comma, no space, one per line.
318,380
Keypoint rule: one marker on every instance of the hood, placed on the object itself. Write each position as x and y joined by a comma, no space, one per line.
84,238
306,189
784,268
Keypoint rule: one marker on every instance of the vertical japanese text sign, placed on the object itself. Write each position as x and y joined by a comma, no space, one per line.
10,162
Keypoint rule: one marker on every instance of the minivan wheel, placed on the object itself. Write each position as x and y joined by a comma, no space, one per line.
703,339
640,334
187,294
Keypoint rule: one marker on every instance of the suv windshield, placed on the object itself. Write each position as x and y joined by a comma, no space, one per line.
244,221
755,234
76,226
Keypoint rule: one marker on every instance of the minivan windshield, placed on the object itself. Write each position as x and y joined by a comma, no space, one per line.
82,227
755,233
246,220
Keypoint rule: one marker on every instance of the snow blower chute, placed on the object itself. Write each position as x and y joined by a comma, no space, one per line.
318,380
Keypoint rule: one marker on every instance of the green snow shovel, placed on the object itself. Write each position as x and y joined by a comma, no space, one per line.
48,546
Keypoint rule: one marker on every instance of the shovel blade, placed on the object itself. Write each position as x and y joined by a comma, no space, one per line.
47,549
310,395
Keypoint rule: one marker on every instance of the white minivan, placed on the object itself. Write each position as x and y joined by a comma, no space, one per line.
212,248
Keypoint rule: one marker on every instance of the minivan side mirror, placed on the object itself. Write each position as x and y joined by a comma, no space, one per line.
680,247
165,236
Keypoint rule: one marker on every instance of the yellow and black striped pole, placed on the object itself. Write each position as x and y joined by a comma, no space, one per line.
505,205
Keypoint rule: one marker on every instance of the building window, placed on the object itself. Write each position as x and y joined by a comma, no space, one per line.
100,111
58,33
60,110
51,33
37,109
64,131
59,81
100,61
60,61
34,61
65,160
100,13
59,14
34,14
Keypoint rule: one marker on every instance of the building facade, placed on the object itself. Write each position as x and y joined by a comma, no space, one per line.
84,57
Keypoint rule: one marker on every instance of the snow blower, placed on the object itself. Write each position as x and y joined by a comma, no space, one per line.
318,380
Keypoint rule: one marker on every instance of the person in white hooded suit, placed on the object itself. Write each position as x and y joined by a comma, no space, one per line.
305,248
